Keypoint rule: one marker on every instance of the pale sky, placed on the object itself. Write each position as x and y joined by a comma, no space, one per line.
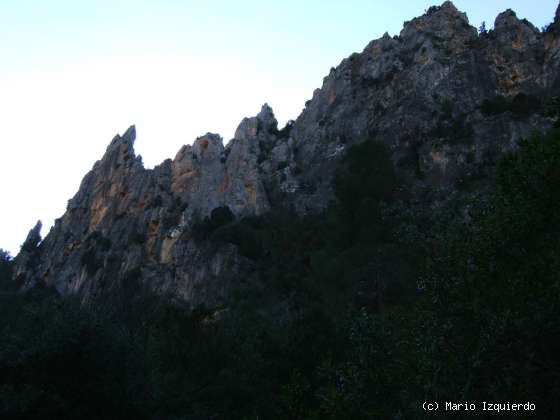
75,73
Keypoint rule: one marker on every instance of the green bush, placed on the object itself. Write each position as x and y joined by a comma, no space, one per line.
521,105
58,361
5,269
91,261
97,240
220,216
495,288
284,133
243,235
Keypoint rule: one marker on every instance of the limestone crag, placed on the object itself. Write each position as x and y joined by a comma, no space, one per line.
128,224
447,101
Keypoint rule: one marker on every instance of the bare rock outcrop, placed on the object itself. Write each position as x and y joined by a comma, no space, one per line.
446,100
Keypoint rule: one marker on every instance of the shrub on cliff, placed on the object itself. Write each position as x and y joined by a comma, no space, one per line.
5,268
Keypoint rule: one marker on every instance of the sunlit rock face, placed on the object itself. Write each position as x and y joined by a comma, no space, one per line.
446,100
129,225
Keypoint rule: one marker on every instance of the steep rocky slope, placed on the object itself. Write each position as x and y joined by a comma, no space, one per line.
447,101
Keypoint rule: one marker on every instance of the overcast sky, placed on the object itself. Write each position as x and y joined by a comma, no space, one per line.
75,73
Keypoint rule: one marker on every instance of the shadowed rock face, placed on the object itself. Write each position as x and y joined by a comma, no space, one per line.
422,93
446,100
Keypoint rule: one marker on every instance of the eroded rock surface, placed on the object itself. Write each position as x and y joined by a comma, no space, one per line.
447,101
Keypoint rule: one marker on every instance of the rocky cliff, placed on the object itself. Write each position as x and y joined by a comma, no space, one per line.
446,100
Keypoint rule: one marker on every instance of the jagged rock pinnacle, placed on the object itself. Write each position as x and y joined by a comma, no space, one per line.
267,118
443,22
512,31
449,5
208,147
266,112
33,237
130,134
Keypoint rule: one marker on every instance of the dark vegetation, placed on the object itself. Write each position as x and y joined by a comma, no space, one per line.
5,268
377,306
285,131
95,245
521,105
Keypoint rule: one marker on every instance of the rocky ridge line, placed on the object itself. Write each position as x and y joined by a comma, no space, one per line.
447,101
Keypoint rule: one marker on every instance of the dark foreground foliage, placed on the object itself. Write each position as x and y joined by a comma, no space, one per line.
370,311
